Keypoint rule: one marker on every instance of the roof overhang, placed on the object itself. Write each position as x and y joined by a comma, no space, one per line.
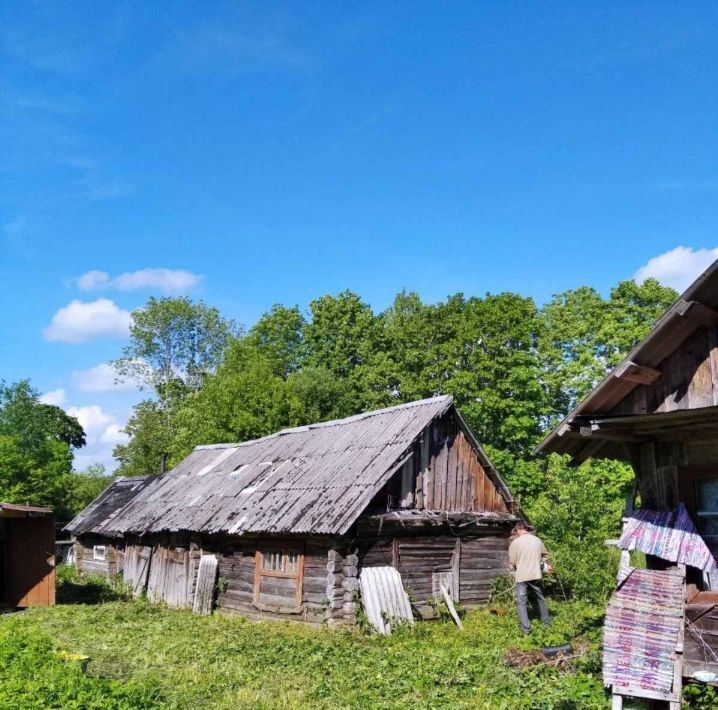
13,510
696,308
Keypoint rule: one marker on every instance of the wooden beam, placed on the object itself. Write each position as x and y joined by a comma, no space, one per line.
633,372
699,312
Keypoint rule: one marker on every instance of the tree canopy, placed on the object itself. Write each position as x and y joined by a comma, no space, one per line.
36,445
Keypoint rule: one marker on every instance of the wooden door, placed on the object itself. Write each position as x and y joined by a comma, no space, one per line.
31,562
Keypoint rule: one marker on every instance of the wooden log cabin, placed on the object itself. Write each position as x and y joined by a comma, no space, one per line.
658,411
295,516
93,551
27,556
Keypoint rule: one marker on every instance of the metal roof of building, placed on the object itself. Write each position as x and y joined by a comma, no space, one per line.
311,479
120,492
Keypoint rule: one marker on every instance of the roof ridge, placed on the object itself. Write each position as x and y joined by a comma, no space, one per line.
447,398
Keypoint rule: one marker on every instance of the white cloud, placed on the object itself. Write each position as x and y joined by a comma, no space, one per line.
101,378
80,321
166,280
103,432
114,435
56,397
677,268
92,419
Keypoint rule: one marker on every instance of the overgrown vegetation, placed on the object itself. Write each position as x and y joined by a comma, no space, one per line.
143,656
166,658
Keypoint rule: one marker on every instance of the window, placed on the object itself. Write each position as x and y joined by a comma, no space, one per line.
278,579
707,513
99,552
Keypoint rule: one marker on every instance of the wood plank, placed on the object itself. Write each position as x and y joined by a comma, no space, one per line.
633,372
204,591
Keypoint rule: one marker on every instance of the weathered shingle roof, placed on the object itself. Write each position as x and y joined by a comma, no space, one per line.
107,504
312,479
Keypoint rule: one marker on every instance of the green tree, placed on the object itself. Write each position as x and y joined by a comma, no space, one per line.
175,344
85,486
279,336
36,442
150,437
582,336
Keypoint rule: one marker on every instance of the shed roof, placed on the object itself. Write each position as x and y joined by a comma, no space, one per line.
15,510
120,492
311,479
695,308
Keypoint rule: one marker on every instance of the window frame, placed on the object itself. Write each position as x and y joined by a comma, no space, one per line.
95,554
260,572
702,515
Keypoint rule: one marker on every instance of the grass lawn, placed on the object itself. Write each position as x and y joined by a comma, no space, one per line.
144,656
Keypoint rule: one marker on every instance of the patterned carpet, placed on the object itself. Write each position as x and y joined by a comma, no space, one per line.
643,619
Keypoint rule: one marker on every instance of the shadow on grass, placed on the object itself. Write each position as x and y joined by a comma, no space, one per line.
75,588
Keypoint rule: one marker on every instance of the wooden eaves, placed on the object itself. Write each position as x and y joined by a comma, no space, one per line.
696,308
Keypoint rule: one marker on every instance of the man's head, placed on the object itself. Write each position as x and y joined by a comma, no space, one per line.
520,528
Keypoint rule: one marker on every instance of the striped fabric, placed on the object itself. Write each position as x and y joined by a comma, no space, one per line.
640,633
670,536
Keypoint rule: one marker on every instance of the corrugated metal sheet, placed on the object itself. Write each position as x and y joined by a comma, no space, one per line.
312,479
384,598
107,504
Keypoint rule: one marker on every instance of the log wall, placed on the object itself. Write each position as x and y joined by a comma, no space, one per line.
85,559
237,576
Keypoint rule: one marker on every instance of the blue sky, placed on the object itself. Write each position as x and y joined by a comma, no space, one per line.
274,152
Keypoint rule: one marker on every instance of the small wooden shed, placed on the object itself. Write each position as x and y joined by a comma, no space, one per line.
27,556
295,517
95,552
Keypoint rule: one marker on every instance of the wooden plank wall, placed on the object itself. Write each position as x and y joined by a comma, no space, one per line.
30,564
137,565
484,557
449,474
689,379
475,558
173,571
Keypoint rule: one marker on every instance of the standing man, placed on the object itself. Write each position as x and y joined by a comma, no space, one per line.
528,560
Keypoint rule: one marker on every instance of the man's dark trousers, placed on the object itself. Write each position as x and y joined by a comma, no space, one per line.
522,590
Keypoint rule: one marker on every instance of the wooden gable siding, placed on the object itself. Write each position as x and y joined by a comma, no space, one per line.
688,380
453,478
442,472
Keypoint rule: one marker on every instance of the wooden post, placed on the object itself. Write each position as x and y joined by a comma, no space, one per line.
616,702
